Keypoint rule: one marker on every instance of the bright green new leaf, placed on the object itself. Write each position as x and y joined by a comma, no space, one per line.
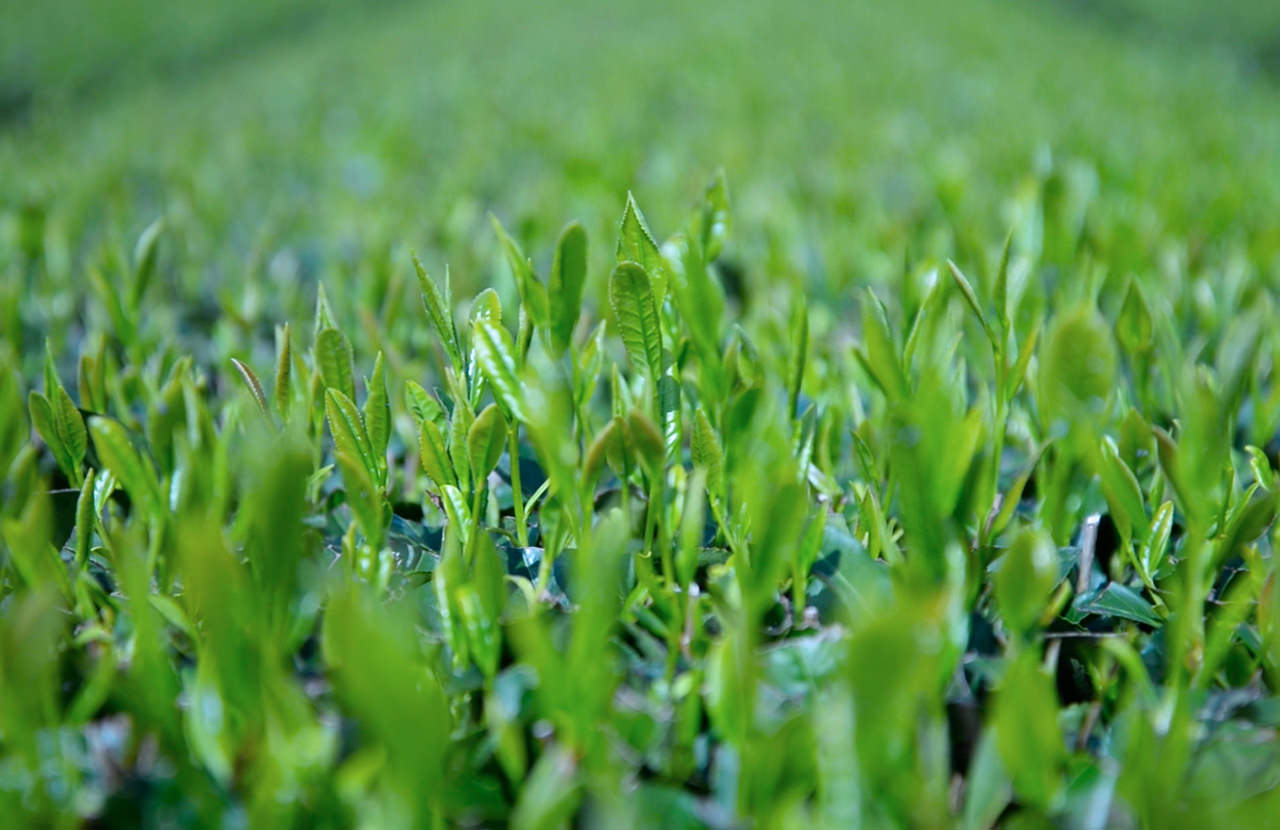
565,283
632,299
486,440
496,357
134,473
284,371
693,517
348,430
707,452
254,386
645,441
439,312
636,244
144,259
61,427
486,305
1121,488
1077,366
377,412
1026,730
971,297
713,219
533,295
1133,328
433,454
336,363
799,355
1027,576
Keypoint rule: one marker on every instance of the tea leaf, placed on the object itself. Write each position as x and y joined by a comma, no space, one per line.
348,430
335,361
632,300
433,455
532,293
377,411
119,457
495,356
636,244
254,386
439,313
565,283
486,440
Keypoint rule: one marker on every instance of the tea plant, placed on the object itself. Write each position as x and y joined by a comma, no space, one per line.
930,481
997,561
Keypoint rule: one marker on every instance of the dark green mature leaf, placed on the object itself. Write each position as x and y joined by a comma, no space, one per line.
1116,600
632,299
565,283
336,363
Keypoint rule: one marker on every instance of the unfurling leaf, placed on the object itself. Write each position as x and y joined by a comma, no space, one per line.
496,356
565,284
486,440
632,300
636,244
335,361
439,313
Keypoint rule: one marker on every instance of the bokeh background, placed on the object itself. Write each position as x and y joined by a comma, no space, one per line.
292,142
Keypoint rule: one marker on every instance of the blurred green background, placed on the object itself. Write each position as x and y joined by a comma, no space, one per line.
296,144
292,142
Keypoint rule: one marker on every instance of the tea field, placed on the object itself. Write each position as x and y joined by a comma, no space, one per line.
723,415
